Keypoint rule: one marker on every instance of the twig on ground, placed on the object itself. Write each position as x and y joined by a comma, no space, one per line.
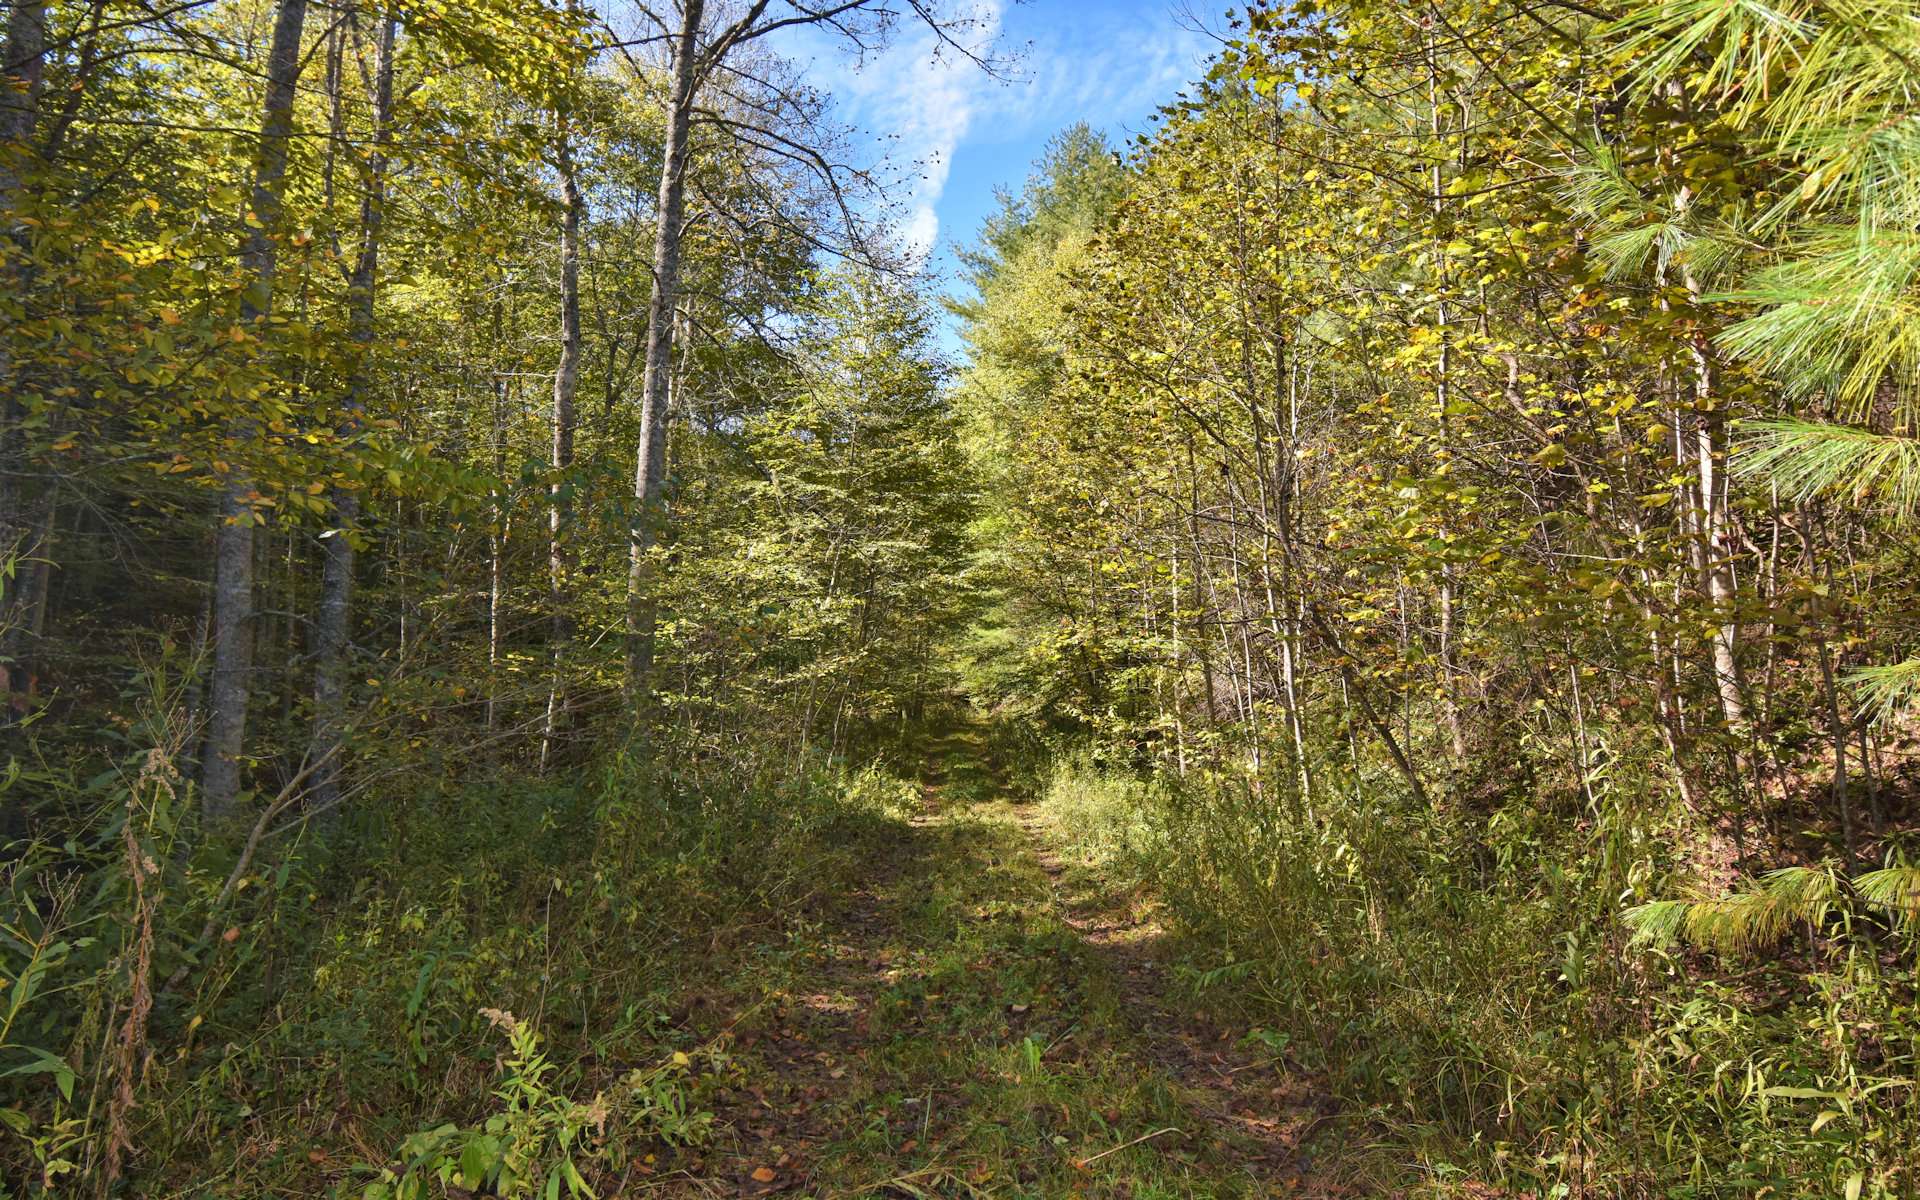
1083,1163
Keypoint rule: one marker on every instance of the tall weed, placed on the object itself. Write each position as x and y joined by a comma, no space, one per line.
1465,979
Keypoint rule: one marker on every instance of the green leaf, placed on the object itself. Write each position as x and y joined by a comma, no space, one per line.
1800,1093
45,1064
476,1158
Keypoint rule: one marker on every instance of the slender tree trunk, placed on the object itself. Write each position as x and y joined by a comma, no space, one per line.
1202,587
1713,547
497,535
1869,778
1243,616
1837,731
333,621
1381,725
20,546
1442,397
23,598
24,68
566,378
1666,704
1583,759
232,635
1717,558
1277,512
649,484
1177,702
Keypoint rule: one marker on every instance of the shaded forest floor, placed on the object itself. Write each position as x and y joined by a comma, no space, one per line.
975,1017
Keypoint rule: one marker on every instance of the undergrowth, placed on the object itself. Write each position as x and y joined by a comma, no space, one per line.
1467,980
333,1020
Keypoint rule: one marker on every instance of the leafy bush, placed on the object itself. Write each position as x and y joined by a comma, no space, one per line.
1103,816
533,1144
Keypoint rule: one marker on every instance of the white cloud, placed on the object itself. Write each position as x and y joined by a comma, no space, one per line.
927,100
923,96
1095,71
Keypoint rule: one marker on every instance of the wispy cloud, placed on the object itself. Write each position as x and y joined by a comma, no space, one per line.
926,100
922,96
1080,70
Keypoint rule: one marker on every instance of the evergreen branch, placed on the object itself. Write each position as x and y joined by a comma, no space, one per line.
1808,459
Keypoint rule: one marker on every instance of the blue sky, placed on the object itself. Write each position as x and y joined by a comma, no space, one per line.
954,133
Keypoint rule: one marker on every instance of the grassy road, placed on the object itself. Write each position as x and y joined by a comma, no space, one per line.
974,1017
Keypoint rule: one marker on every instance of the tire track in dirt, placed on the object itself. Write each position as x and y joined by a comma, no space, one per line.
827,1100
1250,1099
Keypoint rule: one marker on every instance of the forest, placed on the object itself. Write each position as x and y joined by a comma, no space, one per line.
1362,641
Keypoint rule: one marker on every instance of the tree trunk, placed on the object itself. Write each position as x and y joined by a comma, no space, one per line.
1178,700
497,535
1837,731
333,621
231,685
1448,596
1351,687
649,483
1716,561
1243,617
1276,486
25,67
566,378
20,89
